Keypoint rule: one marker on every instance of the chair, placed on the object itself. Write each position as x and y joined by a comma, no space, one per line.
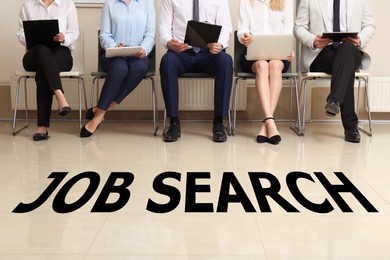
196,75
100,74
76,73
359,76
239,51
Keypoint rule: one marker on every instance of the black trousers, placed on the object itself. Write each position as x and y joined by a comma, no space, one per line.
342,63
47,64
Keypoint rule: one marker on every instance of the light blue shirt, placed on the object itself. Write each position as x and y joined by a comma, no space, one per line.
133,24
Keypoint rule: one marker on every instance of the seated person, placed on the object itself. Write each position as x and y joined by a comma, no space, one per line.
181,58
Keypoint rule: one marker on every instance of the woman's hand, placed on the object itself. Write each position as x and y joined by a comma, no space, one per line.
60,37
140,54
291,56
246,39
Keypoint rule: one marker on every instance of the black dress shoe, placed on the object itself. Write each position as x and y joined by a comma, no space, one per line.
64,111
352,135
261,139
41,136
90,114
173,132
332,108
219,133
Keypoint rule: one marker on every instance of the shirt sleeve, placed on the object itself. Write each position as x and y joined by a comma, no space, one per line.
149,39
223,18
165,22
243,21
20,32
72,31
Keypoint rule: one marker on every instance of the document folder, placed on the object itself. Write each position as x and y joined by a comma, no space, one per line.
41,32
122,51
200,34
338,36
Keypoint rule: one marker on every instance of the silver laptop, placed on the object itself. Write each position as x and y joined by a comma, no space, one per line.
270,47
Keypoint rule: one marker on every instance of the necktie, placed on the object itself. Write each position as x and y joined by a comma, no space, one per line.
196,18
336,19
336,16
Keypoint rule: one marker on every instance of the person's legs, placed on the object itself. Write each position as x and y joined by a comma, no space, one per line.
47,63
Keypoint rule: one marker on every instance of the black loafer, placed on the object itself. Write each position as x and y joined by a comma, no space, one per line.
352,135
64,111
261,139
219,133
332,108
173,132
41,136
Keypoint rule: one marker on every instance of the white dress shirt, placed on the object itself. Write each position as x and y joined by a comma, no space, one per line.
174,15
63,10
260,19
343,16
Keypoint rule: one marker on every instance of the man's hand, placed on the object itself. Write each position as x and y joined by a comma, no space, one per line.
215,47
320,42
246,39
176,46
355,41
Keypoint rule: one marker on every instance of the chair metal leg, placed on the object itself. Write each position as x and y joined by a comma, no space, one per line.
304,89
14,130
369,132
297,127
155,108
235,90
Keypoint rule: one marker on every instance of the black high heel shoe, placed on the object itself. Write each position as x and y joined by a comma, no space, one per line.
41,136
85,133
275,139
63,111
261,138
90,114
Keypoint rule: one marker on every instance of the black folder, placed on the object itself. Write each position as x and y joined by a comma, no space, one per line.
41,32
338,36
200,34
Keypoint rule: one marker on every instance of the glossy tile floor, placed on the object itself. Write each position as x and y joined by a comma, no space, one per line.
134,231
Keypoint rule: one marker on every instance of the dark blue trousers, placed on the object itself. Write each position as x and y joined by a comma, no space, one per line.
220,65
123,76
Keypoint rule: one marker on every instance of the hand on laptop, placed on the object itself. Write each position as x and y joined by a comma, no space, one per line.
246,39
291,56
60,37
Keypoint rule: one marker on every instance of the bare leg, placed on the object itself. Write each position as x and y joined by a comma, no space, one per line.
60,97
98,118
260,68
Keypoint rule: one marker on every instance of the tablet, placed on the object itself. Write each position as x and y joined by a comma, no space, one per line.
338,36
270,47
122,51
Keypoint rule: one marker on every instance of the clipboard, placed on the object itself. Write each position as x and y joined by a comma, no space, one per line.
41,32
199,34
338,36
122,51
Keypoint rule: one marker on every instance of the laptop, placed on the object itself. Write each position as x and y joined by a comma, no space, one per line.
41,32
270,47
